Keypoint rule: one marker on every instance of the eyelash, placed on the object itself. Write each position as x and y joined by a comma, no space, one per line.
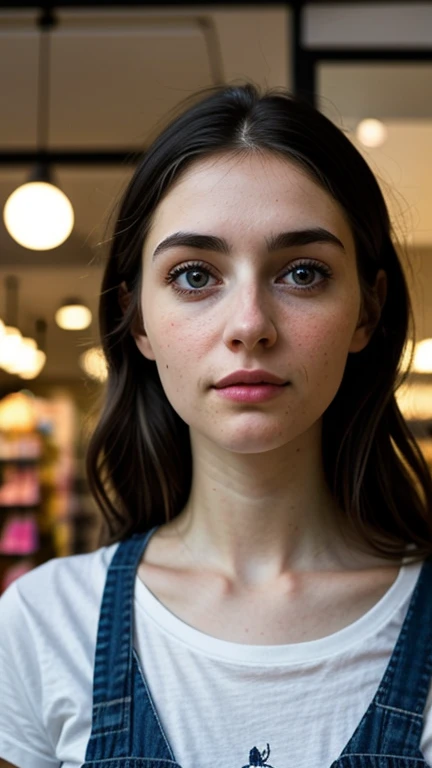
189,266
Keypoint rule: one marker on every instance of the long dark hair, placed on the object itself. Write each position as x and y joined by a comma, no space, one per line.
139,461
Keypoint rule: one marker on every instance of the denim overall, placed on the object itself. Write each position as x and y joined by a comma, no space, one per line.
126,731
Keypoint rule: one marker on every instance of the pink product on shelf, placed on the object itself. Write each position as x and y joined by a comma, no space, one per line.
8,488
29,447
30,488
20,536
20,487
24,447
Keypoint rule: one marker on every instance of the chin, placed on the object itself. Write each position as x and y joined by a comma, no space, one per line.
247,433
251,443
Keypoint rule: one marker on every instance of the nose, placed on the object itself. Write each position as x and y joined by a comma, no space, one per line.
249,319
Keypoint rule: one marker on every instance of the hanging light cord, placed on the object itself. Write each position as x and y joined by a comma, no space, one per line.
41,329
11,286
46,23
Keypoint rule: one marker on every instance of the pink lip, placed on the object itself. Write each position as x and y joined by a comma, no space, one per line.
255,376
250,393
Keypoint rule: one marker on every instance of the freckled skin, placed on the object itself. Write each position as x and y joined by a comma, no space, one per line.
259,502
250,319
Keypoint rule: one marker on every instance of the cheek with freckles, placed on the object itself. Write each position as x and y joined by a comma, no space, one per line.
311,349
321,355
177,352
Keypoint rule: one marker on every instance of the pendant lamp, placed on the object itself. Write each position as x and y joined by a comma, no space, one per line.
19,355
12,336
73,315
35,359
38,215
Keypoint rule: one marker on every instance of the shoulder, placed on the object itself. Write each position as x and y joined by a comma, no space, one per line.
49,619
55,591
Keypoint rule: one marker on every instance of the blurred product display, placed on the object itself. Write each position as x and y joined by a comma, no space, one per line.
20,536
20,487
45,509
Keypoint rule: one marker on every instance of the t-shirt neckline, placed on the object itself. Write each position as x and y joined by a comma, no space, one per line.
394,599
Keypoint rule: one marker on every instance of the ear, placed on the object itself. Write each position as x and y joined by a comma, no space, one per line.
138,330
369,317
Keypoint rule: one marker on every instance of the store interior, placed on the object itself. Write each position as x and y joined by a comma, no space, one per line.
86,90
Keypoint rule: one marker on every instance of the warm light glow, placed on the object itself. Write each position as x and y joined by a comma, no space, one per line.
415,401
2,328
17,413
35,365
22,355
9,345
371,133
73,317
94,364
38,216
28,361
423,357
414,398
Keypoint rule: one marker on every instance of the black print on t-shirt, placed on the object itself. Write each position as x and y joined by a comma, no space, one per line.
258,758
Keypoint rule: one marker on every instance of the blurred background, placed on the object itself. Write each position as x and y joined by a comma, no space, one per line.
83,87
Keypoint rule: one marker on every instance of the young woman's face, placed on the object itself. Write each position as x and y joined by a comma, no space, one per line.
241,300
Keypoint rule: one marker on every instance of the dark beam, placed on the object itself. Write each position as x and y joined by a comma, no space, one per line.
371,55
13,4
65,4
72,157
303,64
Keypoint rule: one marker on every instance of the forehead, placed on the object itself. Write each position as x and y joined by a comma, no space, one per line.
254,194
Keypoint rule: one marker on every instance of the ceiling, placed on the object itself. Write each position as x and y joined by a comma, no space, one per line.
115,74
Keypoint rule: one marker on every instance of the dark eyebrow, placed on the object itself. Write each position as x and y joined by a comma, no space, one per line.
274,242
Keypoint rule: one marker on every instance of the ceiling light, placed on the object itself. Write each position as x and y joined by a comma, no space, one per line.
19,356
35,360
94,364
423,357
33,365
10,344
28,360
415,401
38,215
73,316
371,133
18,413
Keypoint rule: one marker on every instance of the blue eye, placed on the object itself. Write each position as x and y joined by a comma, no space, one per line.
198,268
310,266
195,268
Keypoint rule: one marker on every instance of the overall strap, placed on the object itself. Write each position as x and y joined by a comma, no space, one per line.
113,669
393,724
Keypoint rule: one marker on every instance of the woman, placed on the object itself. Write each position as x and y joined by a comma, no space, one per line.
261,594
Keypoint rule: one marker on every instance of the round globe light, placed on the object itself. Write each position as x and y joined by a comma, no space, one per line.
9,347
36,365
371,133
25,355
423,356
39,216
94,364
18,413
73,317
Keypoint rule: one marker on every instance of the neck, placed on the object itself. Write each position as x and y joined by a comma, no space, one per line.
256,517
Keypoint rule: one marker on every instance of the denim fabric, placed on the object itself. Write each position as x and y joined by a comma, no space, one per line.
126,731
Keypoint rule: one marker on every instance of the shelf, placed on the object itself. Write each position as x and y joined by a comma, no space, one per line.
19,507
12,555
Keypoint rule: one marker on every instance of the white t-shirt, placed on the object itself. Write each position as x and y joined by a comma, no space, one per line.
213,697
